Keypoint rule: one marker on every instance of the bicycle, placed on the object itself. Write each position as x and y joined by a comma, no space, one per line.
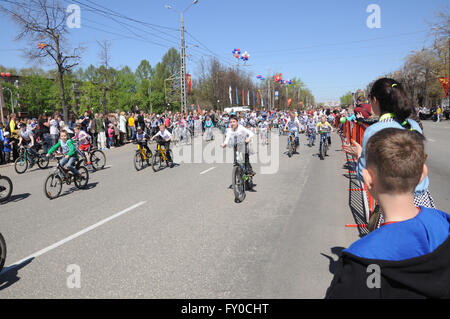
96,157
311,137
241,180
53,183
6,188
25,159
323,144
160,156
2,251
292,144
143,155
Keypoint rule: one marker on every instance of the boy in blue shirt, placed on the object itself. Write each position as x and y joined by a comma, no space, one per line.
411,249
7,148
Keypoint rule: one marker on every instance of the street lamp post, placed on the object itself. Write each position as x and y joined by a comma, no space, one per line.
183,58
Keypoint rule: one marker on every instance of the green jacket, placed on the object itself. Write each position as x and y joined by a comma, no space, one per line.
72,151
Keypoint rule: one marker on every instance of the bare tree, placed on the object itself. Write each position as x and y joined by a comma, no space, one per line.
44,21
104,71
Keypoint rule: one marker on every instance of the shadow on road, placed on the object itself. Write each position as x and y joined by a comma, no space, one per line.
18,197
335,251
9,275
74,189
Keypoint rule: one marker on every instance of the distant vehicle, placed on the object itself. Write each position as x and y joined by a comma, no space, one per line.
237,109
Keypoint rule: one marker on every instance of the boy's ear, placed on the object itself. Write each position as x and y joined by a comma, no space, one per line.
367,178
424,173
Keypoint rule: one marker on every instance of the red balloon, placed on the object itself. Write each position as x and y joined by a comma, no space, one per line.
2,74
8,74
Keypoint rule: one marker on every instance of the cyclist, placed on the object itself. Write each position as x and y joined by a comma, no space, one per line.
69,151
163,139
208,128
26,136
324,128
263,127
311,128
293,125
239,131
85,141
141,138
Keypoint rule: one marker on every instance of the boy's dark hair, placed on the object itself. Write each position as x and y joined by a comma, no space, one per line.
233,117
397,156
393,99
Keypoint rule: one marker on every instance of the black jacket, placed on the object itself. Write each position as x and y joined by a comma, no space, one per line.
426,276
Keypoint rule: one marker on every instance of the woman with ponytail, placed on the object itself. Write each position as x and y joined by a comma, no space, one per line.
390,102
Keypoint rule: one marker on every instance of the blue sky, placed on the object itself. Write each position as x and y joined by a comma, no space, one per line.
326,43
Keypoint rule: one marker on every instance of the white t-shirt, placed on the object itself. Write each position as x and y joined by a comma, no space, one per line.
166,135
54,127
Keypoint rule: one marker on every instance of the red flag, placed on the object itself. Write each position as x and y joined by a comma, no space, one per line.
289,102
444,82
243,97
188,83
199,110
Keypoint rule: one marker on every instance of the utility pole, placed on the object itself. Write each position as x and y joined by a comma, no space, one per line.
183,59
183,69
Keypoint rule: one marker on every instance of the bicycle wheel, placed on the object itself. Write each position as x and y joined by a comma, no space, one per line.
21,165
149,157
53,186
2,252
325,148
171,156
6,188
238,184
43,162
138,161
98,160
157,162
82,180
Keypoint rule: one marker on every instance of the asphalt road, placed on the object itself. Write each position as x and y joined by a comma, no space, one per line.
179,234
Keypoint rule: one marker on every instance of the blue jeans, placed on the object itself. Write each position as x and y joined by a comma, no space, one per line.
132,132
69,161
296,137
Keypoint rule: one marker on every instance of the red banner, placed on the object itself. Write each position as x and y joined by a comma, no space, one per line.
188,83
289,102
444,82
243,97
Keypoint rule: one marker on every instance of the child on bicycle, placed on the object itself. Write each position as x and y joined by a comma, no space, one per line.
142,137
237,130
85,142
68,150
324,128
163,138
411,249
293,124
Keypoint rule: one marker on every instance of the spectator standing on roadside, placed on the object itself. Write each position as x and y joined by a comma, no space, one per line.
391,103
54,129
122,127
410,252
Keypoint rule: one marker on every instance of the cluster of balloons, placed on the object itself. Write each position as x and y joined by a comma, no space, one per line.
42,45
279,79
5,74
260,77
244,56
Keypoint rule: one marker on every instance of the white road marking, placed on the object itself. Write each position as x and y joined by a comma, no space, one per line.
72,237
208,170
